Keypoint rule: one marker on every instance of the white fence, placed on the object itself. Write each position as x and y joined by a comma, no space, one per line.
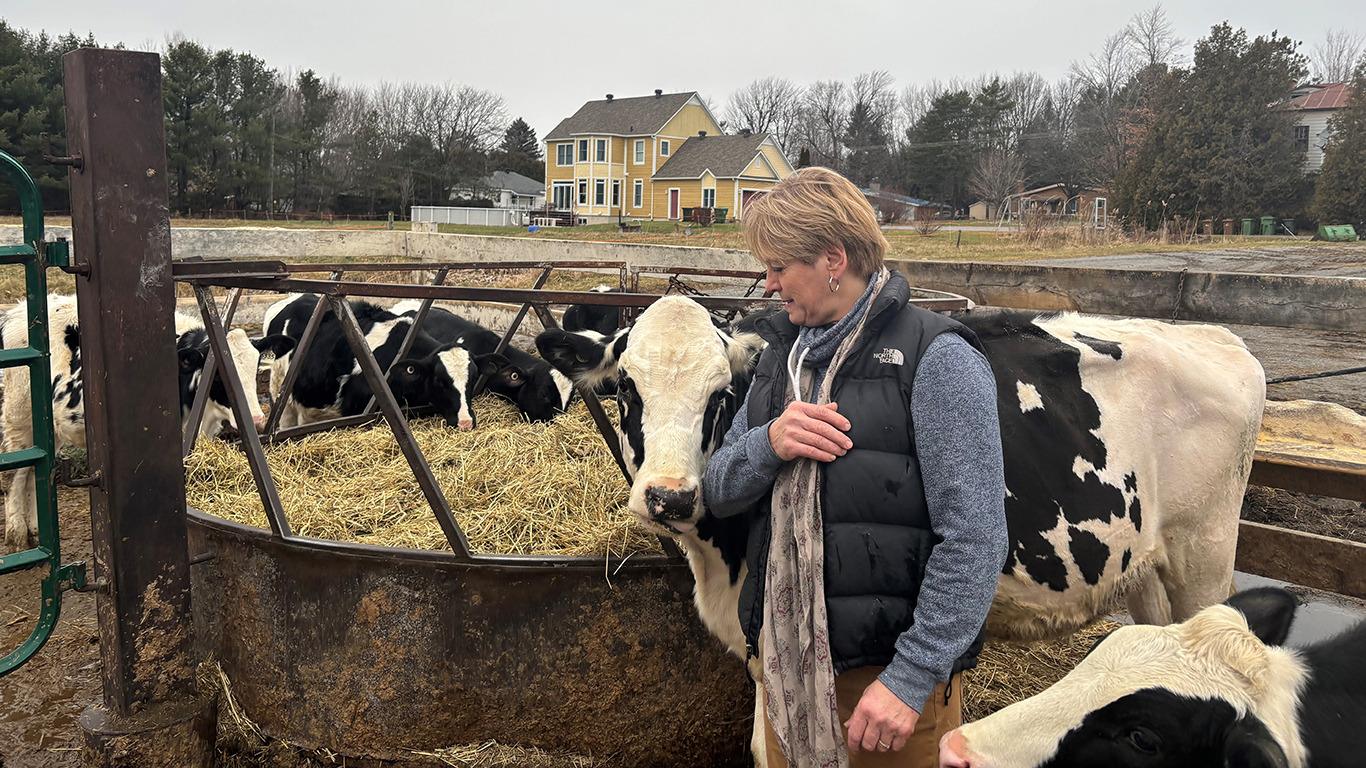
485,217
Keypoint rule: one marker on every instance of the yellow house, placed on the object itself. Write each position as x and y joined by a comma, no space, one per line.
653,156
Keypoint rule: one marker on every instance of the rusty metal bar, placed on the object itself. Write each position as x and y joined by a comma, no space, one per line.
1302,558
127,306
237,397
201,395
453,265
402,433
512,329
414,328
277,406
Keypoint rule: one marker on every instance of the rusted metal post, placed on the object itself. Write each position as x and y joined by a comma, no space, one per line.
201,396
150,714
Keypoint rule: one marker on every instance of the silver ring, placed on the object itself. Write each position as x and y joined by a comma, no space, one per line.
883,744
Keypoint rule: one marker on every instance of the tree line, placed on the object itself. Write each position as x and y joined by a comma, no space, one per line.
1162,135
243,136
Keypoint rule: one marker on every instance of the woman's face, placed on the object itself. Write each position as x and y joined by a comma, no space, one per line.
805,291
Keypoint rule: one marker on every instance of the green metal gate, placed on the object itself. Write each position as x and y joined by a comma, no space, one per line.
36,255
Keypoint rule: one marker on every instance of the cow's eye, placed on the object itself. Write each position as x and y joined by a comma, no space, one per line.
581,358
1143,741
411,370
516,376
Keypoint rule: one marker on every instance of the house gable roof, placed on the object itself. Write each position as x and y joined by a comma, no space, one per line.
636,116
1323,96
727,157
514,182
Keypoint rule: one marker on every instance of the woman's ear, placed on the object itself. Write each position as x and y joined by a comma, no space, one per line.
837,261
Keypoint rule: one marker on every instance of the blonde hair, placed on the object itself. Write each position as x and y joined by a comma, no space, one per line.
810,211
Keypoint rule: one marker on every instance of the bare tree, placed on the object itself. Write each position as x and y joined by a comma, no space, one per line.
768,105
822,122
926,220
1029,94
1153,38
1334,59
997,176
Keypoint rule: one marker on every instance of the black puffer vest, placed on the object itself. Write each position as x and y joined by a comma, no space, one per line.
877,529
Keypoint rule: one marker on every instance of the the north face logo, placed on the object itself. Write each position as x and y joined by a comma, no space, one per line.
891,357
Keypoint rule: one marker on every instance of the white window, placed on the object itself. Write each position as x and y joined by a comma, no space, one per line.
709,198
602,151
600,192
640,192
583,150
616,192
663,147
563,192
583,192
564,154
640,151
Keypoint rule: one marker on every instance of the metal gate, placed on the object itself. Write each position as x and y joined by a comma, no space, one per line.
36,255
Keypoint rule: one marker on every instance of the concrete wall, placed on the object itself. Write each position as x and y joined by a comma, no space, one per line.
276,243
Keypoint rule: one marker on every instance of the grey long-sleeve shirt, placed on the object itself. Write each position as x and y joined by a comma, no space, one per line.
958,439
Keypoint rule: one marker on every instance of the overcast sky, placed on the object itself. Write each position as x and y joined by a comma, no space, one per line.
547,58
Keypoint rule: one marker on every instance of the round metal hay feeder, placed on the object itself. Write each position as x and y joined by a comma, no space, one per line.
372,651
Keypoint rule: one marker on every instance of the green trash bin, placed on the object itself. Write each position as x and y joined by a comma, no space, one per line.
1288,227
1268,226
1247,227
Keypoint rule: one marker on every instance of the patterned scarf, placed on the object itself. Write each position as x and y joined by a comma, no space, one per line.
799,678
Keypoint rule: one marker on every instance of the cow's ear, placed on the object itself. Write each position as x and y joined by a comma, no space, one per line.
1250,745
1270,611
491,364
276,344
742,350
191,359
586,357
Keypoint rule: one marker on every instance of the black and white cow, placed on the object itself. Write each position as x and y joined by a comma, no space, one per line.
540,391
64,341
330,383
1127,448
593,317
1216,690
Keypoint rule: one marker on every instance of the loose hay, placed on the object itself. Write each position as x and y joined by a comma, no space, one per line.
516,487
1007,673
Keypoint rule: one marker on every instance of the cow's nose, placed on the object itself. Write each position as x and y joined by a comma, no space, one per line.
259,421
951,749
466,425
670,501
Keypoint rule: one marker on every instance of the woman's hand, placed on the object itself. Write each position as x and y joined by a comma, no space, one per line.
810,431
881,721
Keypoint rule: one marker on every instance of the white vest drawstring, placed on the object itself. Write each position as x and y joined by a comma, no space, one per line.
794,373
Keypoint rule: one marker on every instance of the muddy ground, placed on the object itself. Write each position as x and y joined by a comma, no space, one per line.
39,703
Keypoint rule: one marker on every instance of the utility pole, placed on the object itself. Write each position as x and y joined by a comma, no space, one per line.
270,203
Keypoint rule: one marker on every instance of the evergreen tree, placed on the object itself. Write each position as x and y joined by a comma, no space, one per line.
804,158
867,141
1340,196
941,150
520,151
1220,143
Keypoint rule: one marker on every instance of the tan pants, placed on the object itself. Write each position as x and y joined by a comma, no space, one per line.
922,748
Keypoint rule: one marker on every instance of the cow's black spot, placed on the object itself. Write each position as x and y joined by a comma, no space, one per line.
1101,346
1089,553
1131,482
1136,514
632,410
1124,561
1041,446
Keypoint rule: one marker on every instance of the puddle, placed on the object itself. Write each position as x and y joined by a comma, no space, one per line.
1321,614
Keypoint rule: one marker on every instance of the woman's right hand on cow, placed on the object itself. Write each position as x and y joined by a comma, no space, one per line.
810,431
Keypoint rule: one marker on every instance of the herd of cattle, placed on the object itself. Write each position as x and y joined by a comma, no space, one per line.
1127,448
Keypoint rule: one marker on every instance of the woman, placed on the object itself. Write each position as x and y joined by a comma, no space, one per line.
868,457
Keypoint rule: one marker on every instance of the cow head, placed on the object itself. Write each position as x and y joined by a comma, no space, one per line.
541,392
443,380
679,381
193,348
1214,690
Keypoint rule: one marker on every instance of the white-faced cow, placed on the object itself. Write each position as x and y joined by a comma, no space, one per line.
1127,446
64,342
330,383
1216,690
540,392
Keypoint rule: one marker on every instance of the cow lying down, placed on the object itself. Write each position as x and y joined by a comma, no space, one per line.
68,409
1216,690
1127,447
330,383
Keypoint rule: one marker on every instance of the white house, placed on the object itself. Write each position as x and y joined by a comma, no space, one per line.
1313,105
507,190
